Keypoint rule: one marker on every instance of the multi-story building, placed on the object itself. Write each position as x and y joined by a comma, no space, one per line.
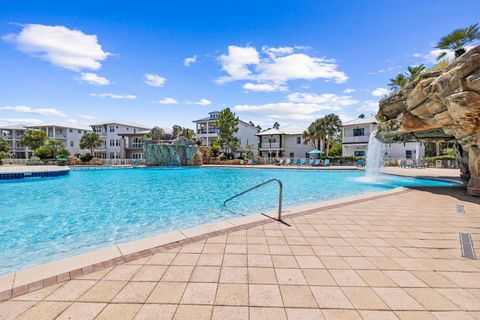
69,133
13,135
356,134
114,145
206,131
284,142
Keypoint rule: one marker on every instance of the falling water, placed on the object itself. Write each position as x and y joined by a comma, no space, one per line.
375,155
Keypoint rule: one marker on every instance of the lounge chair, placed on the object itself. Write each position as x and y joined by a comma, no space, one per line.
326,162
302,162
310,162
316,163
278,163
294,162
286,162
360,163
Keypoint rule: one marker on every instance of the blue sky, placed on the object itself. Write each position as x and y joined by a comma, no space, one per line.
285,61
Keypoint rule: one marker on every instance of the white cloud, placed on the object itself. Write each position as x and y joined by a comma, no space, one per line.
114,96
62,47
431,57
167,101
380,92
94,79
369,106
189,60
203,102
87,117
264,87
236,63
154,80
300,106
22,121
382,70
277,66
349,90
30,110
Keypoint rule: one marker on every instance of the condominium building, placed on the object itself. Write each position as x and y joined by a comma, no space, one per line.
206,131
13,135
69,133
284,142
356,134
114,134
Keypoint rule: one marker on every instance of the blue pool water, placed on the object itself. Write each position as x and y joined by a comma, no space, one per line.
51,218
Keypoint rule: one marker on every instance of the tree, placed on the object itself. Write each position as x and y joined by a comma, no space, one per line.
216,147
43,153
4,148
57,148
457,40
332,126
33,138
227,124
399,82
414,71
176,131
314,134
90,140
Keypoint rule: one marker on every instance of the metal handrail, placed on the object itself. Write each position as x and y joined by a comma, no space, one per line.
280,195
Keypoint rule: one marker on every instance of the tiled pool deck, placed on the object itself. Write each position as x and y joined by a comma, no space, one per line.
394,256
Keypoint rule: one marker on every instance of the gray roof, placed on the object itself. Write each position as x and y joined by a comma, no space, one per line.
365,120
121,122
292,129
14,127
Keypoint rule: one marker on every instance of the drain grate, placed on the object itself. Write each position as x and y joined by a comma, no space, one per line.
460,208
466,244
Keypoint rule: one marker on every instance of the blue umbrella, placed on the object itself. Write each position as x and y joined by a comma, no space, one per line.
315,151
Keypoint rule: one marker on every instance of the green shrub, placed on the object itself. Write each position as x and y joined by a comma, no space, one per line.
34,161
43,153
86,157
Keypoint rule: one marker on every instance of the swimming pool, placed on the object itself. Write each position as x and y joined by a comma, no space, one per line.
45,219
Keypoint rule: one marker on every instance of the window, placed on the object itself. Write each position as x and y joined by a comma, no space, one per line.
409,154
112,155
299,140
137,156
71,143
117,143
79,131
358,132
70,130
360,153
112,143
112,128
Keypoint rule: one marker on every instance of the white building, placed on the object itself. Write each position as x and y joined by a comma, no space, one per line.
13,135
356,134
284,142
113,143
69,133
206,131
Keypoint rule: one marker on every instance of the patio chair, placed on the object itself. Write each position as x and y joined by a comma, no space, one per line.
278,163
302,162
286,162
326,162
294,162
316,163
310,162
360,163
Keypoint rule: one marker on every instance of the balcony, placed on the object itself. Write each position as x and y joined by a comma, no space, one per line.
270,146
356,139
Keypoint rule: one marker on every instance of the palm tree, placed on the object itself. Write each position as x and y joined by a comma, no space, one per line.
90,140
457,39
313,134
399,82
331,125
414,71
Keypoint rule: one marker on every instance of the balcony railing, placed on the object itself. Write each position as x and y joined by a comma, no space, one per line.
356,139
268,145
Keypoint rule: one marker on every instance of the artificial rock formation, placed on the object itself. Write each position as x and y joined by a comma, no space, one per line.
440,106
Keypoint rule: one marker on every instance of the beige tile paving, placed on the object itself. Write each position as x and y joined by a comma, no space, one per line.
395,257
